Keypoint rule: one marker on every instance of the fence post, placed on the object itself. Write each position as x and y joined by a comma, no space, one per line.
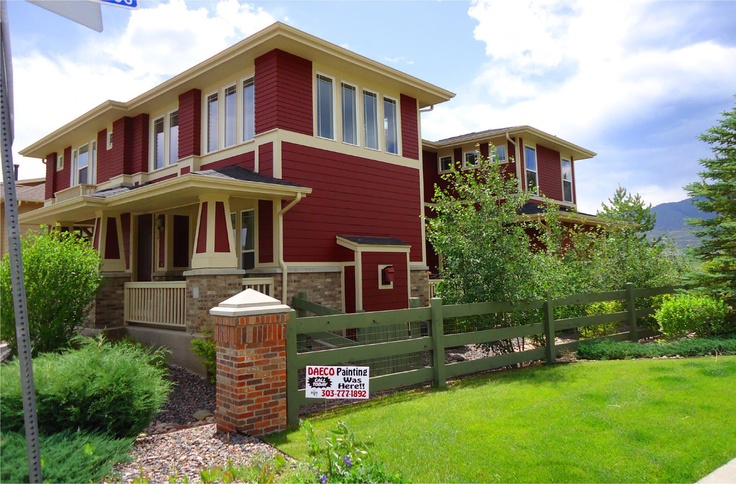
549,331
292,372
301,313
631,310
438,344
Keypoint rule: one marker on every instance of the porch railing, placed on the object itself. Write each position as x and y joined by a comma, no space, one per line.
162,303
264,285
73,192
433,287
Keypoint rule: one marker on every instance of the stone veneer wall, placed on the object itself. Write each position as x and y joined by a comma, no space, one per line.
108,310
323,288
210,289
420,286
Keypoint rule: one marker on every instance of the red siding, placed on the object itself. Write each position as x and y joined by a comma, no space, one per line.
139,145
283,90
222,242
112,249
409,127
375,299
549,172
117,159
349,289
63,178
125,227
430,174
265,159
190,123
351,196
246,160
50,176
202,233
104,159
265,231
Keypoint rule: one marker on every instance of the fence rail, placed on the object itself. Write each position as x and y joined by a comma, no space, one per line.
426,335
160,303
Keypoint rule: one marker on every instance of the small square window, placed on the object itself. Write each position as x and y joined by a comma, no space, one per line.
445,164
501,155
471,159
60,162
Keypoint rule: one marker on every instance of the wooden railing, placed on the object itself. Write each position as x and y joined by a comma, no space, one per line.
73,192
160,303
433,287
264,285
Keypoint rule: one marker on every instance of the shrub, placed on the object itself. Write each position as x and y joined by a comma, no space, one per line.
69,456
61,271
621,350
99,387
692,313
598,330
206,349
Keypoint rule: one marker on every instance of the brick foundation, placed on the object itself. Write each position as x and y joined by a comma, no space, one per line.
205,290
420,286
108,310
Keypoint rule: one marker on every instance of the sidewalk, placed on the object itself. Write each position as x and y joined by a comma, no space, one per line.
722,475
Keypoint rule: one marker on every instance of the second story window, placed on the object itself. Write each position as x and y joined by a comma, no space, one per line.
325,109
173,137
530,164
390,126
500,154
84,161
567,181
471,159
370,120
60,162
231,113
349,114
165,140
445,164
158,144
249,110
213,122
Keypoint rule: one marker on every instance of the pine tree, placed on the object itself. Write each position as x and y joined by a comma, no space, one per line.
716,193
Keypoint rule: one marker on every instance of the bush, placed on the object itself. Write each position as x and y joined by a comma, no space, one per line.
99,387
62,276
206,349
598,330
621,350
692,313
68,456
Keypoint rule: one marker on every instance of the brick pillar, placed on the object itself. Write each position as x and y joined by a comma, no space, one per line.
250,333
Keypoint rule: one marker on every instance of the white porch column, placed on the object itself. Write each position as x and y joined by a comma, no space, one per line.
214,247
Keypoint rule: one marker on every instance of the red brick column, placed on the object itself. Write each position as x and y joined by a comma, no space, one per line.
250,333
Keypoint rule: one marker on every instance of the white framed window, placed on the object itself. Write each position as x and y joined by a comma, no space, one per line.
231,115
370,120
84,160
390,125
567,181
470,159
530,168
165,140
445,164
109,138
213,122
158,143
349,105
500,154
325,107
60,161
249,109
244,236
173,137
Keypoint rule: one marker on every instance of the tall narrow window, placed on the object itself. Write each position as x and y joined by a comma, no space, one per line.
247,239
325,121
249,110
158,143
530,162
349,115
390,127
231,113
82,163
370,120
213,127
173,137
60,162
567,180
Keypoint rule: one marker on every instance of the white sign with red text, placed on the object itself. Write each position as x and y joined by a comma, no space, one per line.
333,382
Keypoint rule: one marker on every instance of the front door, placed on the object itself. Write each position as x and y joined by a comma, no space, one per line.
144,261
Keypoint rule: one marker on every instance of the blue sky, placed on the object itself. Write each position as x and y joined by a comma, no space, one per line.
634,81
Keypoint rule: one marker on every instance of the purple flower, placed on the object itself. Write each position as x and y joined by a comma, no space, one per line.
323,479
347,461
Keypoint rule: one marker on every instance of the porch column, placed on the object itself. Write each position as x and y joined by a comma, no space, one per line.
108,241
214,247
250,333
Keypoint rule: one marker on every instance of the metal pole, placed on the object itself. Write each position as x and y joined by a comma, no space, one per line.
16,262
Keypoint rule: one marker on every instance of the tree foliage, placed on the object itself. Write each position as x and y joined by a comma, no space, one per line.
630,211
62,276
716,193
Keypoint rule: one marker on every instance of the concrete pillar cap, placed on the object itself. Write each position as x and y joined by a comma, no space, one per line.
249,303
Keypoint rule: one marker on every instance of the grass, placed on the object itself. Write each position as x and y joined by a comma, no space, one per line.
599,421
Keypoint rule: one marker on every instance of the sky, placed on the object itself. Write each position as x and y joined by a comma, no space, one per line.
634,81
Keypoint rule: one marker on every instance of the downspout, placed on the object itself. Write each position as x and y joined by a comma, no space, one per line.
517,160
282,262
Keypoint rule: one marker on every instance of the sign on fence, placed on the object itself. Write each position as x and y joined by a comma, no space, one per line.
343,382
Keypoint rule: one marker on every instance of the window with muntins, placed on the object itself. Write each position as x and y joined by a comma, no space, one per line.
390,126
530,164
349,114
213,122
249,110
567,181
370,120
325,108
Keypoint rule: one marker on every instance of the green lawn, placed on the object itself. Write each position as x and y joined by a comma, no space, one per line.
668,420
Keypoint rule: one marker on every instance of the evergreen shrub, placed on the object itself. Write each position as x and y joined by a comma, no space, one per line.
621,350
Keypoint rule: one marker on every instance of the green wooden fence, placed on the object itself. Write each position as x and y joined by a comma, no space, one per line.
422,341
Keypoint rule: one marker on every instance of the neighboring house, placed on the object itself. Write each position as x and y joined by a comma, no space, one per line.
541,162
284,163
30,196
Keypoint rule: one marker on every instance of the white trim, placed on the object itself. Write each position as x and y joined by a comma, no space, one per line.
375,95
241,107
381,285
439,163
562,180
332,79
398,124
223,115
526,169
356,117
465,164
59,161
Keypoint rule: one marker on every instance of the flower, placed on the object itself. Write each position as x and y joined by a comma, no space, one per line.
323,479
347,461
